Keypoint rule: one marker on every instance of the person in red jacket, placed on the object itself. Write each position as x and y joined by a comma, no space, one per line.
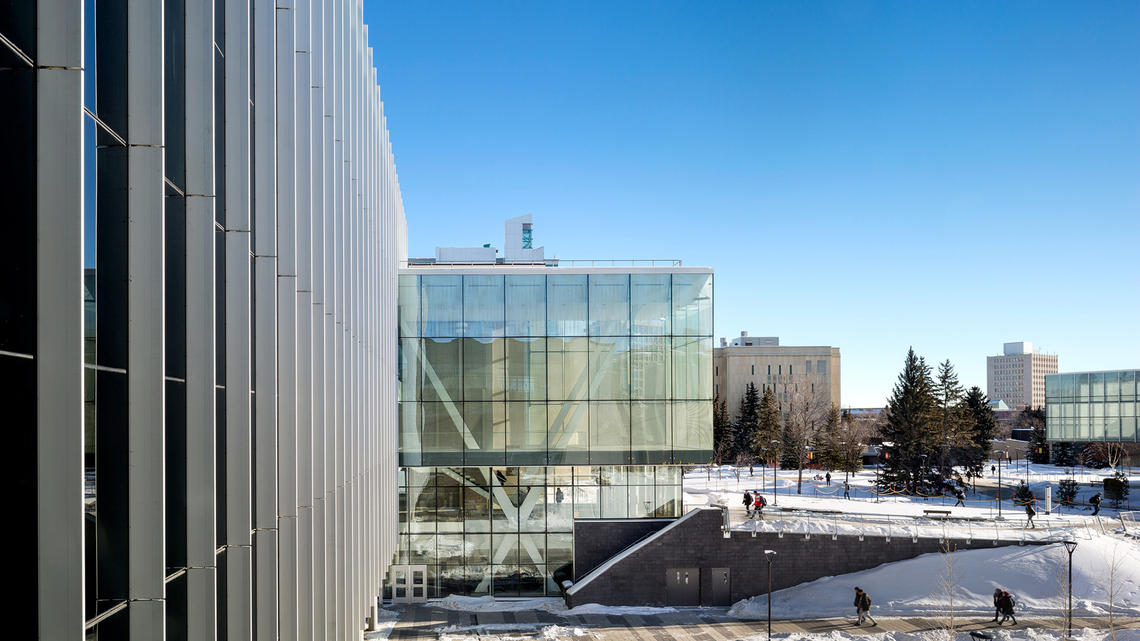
759,504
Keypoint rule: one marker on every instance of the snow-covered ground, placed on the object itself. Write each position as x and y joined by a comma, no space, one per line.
548,604
822,509
1105,568
1022,634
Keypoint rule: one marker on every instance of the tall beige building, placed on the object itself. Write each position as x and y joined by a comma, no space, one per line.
763,361
1017,376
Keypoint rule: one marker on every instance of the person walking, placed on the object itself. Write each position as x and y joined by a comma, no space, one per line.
1030,513
846,490
759,504
863,607
1005,605
997,604
747,504
828,477
958,494
1095,502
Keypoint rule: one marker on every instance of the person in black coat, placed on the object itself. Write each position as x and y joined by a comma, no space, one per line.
1095,502
961,498
1030,512
997,604
1005,605
747,504
863,607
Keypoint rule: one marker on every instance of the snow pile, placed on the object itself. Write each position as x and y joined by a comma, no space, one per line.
554,632
1022,634
511,632
617,610
1035,575
491,604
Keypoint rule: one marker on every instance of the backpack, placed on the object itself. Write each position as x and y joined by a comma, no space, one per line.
761,500
1095,500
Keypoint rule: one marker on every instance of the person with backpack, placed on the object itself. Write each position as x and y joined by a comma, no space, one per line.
961,498
997,604
759,504
846,490
747,504
828,477
1095,502
863,607
1005,606
1030,512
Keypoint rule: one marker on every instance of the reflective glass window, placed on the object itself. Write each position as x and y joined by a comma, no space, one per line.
567,368
441,437
526,305
609,432
409,369
526,432
483,311
692,440
609,304
692,368
569,433
408,307
650,304
609,368
484,369
649,367
649,432
526,369
441,305
692,304
566,308
487,425
441,364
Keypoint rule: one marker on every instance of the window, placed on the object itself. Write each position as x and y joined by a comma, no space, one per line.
754,370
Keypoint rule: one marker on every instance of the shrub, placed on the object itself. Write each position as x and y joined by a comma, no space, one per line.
1022,495
1116,487
1066,491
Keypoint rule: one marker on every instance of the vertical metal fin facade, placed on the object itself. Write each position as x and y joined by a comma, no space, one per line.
200,316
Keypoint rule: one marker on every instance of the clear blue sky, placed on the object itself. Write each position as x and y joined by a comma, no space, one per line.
864,175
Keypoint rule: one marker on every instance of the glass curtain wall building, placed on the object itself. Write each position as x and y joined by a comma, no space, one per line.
1092,406
531,396
197,317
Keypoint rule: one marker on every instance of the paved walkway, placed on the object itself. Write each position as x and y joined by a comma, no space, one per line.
422,622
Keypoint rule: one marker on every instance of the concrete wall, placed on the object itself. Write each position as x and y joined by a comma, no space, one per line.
596,540
697,541
735,367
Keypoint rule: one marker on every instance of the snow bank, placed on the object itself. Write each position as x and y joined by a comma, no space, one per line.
618,610
491,604
511,632
1022,634
1035,575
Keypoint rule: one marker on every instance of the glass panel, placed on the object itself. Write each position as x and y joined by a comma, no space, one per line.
1052,387
441,436
609,368
567,365
526,369
649,433
422,548
476,510
559,508
649,367
409,305
649,304
609,432
1112,385
483,312
609,305
668,501
692,368
441,305
613,502
526,432
586,501
477,548
559,549
526,305
1082,386
442,366
692,431
504,513
505,548
533,510
484,369
1128,386
449,548
449,505
692,304
410,446
487,423
569,432
409,371
1096,381
566,305
641,501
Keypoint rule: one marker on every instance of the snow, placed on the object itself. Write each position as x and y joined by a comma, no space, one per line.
511,632
617,610
1015,634
491,604
1035,575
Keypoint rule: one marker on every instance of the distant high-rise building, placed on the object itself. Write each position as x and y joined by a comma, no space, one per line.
787,370
1017,376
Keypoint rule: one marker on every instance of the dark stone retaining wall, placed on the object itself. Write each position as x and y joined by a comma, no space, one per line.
699,542
596,540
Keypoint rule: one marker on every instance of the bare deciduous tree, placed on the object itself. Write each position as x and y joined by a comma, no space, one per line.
806,415
948,584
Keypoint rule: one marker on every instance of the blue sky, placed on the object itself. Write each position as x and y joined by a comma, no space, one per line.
870,176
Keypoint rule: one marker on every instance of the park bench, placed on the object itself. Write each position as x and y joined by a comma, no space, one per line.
931,512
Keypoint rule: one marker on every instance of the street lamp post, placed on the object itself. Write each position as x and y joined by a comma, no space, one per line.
1071,546
769,554
1001,455
775,485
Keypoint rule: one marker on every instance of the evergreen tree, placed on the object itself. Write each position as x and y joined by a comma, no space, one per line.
982,426
907,431
747,421
1067,454
724,433
1034,419
767,429
829,452
951,428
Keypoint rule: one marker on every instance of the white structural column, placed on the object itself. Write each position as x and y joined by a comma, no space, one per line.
287,613
59,318
321,586
238,376
264,241
201,392
145,321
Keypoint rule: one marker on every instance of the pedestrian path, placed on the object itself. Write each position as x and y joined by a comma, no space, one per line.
424,622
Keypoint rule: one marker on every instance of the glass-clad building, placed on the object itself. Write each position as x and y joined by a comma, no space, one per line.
1092,406
531,396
